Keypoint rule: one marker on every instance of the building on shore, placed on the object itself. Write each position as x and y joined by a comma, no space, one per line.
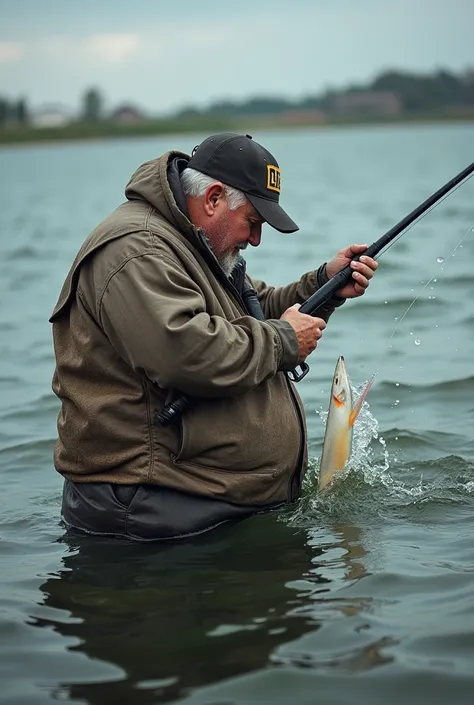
51,116
127,115
367,104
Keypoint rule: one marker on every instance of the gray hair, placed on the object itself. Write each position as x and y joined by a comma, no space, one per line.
195,183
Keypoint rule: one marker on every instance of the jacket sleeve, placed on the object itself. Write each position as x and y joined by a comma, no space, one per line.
155,317
275,300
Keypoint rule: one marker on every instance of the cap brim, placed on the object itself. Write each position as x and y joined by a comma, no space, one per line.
273,214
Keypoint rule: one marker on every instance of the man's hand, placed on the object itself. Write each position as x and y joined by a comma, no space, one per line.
362,273
308,330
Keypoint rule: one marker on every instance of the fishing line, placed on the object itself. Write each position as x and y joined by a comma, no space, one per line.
345,275
444,261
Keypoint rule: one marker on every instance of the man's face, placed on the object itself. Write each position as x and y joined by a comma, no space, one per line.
232,231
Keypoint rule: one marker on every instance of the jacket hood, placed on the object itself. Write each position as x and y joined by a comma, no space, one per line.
157,182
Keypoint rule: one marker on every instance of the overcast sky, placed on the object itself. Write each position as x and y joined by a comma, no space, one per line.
164,54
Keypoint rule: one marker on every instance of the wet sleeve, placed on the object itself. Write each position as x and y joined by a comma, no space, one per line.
155,317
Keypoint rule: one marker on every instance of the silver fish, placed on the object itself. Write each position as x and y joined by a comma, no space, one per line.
342,414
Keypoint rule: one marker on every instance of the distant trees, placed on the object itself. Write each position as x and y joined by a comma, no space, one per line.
22,115
92,105
426,92
14,112
4,110
415,93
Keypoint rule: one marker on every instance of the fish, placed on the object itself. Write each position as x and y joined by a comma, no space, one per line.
342,414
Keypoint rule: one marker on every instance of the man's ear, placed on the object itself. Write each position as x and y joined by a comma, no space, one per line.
214,198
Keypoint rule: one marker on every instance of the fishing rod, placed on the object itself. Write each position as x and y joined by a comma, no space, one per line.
311,305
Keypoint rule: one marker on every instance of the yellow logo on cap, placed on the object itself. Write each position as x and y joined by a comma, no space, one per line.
273,178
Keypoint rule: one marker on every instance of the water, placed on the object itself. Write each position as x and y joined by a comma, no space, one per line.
364,595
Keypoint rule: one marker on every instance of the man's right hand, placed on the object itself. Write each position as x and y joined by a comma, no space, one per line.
307,328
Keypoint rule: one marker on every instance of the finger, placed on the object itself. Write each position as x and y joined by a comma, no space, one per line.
360,280
363,269
357,249
358,290
370,262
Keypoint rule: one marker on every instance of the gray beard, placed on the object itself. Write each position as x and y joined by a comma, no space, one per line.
228,260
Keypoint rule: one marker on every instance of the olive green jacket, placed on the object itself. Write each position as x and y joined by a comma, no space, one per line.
146,313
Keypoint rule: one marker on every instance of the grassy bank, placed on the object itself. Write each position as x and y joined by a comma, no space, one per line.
110,130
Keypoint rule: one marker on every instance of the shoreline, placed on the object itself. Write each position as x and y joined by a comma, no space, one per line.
17,137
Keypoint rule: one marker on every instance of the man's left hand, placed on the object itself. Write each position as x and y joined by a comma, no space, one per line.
362,271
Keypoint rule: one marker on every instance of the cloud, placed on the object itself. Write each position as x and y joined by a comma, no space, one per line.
112,47
106,48
10,51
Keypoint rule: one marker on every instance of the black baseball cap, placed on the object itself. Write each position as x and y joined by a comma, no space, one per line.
239,161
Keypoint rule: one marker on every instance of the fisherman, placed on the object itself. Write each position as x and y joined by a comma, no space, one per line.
157,305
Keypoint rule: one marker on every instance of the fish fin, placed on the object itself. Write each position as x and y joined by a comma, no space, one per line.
358,406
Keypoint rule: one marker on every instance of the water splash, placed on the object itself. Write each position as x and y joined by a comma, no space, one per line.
368,460
375,480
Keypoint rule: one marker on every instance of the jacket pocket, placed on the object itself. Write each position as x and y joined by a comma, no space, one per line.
249,433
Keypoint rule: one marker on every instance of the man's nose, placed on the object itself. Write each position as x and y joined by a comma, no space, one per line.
256,235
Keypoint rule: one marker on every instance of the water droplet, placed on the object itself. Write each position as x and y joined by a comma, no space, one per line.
411,332
417,342
397,384
440,259
435,280
385,302
397,401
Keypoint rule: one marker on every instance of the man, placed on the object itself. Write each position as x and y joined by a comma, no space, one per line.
156,308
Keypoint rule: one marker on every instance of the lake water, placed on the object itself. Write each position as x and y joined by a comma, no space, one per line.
364,596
